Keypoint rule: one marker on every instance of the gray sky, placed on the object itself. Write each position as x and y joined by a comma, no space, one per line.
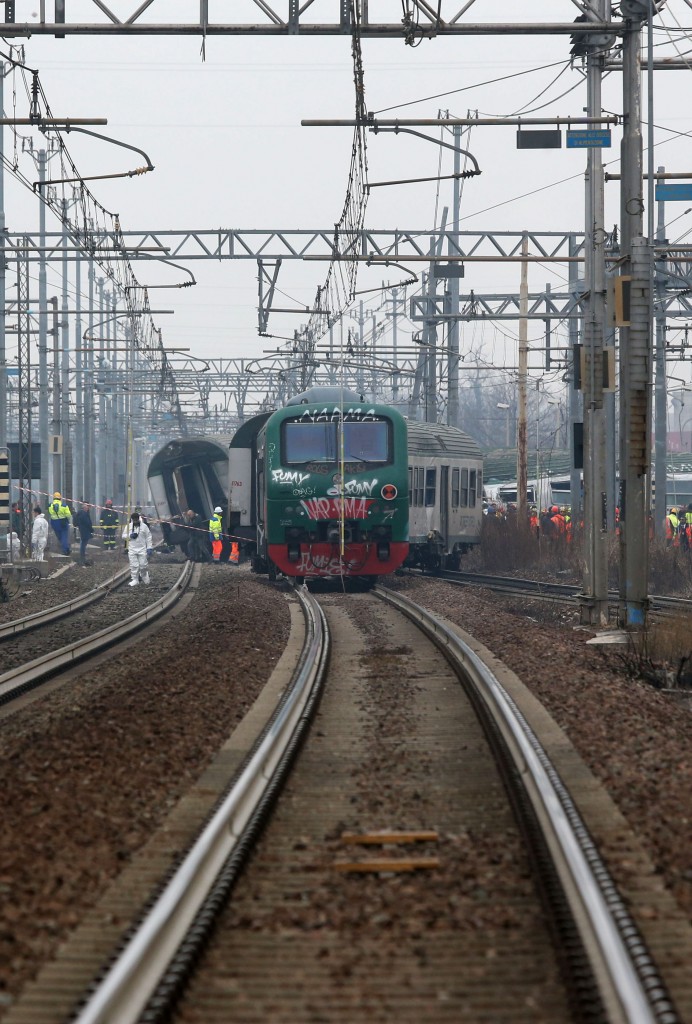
226,141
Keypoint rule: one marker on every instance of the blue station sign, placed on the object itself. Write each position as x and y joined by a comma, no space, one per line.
591,138
671,193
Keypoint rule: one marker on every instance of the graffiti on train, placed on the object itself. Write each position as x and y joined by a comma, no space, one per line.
355,414
288,476
335,508
353,487
326,565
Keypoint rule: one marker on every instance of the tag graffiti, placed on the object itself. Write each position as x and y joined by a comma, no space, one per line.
285,476
326,415
335,508
355,487
325,565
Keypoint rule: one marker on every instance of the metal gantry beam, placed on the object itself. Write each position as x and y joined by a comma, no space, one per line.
421,20
277,244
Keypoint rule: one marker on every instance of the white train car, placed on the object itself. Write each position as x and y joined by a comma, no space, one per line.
445,482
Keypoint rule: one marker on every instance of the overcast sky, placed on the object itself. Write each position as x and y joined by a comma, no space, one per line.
225,138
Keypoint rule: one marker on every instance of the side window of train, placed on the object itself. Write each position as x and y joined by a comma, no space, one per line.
472,488
455,487
419,485
410,485
430,475
464,488
479,486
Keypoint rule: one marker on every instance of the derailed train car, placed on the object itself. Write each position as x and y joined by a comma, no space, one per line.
188,473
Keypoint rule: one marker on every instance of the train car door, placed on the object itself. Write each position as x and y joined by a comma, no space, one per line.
444,502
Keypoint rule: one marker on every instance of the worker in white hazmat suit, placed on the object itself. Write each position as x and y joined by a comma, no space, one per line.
39,534
138,537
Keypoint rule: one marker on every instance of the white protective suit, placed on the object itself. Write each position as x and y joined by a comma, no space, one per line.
16,546
39,537
138,543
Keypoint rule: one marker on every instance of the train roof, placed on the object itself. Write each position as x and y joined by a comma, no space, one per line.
183,450
326,395
437,439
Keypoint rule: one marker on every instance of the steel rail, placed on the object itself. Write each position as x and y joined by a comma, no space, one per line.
511,584
133,978
631,990
27,676
59,611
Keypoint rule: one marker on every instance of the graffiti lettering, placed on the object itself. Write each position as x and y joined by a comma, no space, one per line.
355,487
335,508
354,414
305,492
324,468
285,476
325,565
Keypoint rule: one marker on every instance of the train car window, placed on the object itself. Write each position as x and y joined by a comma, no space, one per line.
455,487
366,442
472,488
309,442
464,488
419,485
430,475
479,485
410,485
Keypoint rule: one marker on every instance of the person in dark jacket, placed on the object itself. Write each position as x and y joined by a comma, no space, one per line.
198,546
86,530
109,522
17,519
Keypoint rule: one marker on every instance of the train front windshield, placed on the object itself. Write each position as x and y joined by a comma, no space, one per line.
364,441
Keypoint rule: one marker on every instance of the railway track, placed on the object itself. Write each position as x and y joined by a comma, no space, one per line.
551,591
25,661
391,882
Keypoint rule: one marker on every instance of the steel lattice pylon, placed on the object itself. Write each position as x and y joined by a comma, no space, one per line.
24,385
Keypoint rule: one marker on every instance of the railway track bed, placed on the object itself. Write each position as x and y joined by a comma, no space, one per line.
348,918
91,768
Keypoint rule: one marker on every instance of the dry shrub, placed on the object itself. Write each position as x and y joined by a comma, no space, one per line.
504,547
662,654
670,570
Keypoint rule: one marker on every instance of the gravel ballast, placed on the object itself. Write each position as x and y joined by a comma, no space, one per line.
90,771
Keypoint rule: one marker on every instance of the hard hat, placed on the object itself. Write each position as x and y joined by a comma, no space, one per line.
57,494
218,509
674,510
554,509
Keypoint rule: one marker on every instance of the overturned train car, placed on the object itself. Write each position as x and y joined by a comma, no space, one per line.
188,473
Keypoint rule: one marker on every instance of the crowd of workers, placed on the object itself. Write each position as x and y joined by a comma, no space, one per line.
679,527
553,522
202,540
556,522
